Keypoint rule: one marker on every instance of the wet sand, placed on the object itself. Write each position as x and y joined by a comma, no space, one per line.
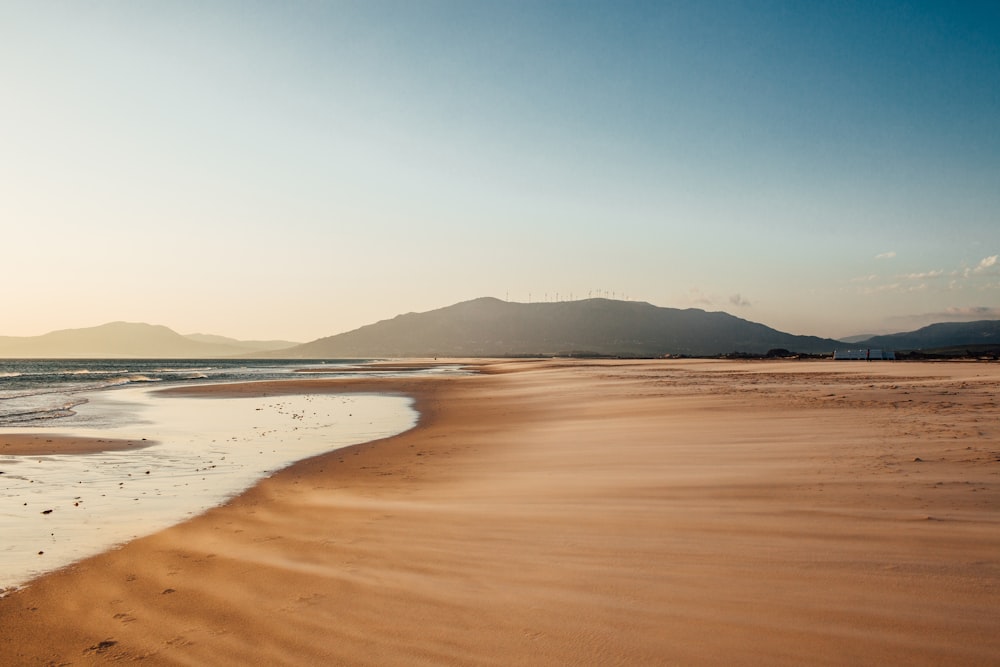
29,444
579,512
58,508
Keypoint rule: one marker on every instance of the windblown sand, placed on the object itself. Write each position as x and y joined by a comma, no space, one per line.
558,513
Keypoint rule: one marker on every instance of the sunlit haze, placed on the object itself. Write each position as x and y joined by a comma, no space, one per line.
298,169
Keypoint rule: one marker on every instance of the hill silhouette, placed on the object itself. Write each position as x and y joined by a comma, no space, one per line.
487,327
125,340
941,335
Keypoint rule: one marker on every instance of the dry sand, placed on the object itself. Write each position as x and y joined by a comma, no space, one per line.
557,513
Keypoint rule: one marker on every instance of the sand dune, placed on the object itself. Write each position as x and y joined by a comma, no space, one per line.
552,513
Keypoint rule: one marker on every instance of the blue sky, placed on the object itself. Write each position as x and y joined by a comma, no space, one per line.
298,169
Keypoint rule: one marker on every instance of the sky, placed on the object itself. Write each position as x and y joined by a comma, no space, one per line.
294,170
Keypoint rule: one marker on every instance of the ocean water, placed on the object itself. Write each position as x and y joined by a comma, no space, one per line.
58,509
33,392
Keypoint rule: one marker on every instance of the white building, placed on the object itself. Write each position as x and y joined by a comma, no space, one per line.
864,355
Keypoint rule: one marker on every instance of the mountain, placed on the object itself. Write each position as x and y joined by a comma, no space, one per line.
246,346
856,339
942,335
488,327
122,340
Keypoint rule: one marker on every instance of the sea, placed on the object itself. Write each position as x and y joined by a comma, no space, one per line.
40,392
56,509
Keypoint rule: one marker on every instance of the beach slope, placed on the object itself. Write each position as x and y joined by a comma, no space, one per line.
575,512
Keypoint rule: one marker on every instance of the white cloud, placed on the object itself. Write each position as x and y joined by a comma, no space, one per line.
923,275
886,255
961,277
986,263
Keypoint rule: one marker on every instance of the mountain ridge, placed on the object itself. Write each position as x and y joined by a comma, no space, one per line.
939,335
491,327
488,326
123,340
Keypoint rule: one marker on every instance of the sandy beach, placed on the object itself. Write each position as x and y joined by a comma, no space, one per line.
549,512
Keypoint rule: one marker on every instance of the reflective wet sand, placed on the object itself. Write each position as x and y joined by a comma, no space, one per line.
180,456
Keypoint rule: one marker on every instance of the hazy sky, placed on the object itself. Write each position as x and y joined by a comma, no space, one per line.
298,169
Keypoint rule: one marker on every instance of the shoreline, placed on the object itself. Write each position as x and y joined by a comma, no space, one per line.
50,438
550,512
60,505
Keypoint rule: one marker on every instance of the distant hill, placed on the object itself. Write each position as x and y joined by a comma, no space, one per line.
942,335
249,346
856,339
491,327
126,340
